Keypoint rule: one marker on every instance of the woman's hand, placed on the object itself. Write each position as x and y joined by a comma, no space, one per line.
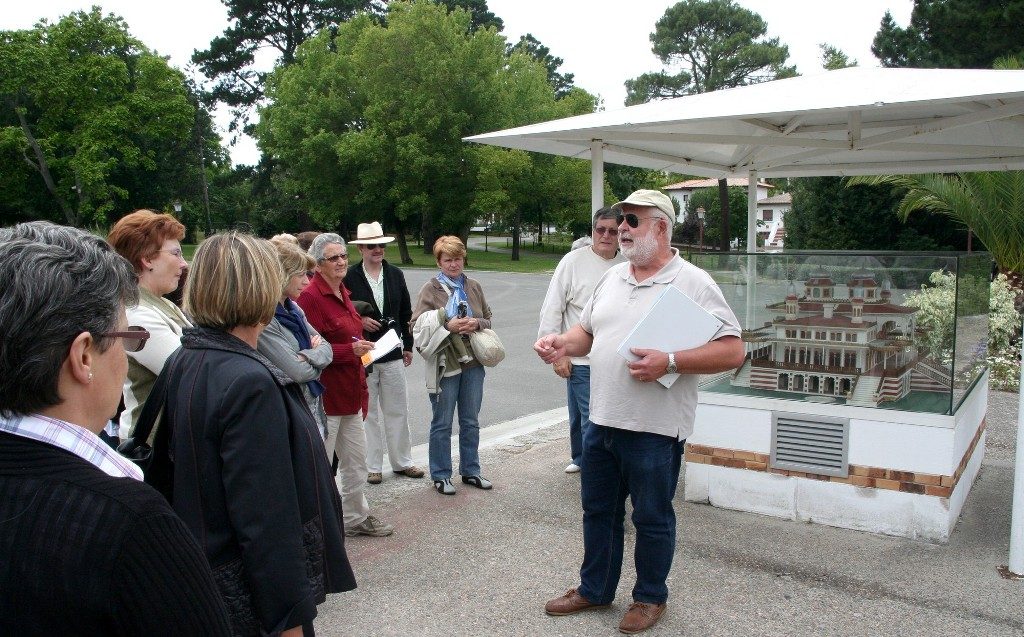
466,325
361,347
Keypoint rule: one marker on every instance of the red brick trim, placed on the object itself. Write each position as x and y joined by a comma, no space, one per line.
875,477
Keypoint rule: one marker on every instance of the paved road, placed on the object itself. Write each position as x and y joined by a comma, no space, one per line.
521,384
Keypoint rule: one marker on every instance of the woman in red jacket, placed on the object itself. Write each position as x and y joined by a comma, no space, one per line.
330,311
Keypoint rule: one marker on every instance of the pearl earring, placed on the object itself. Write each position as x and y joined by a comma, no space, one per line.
90,376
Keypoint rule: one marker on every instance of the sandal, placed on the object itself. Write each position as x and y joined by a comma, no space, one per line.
444,487
477,481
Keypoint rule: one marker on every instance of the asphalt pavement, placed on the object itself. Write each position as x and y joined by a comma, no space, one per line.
484,563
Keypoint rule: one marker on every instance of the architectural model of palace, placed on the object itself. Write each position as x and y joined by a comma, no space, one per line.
860,347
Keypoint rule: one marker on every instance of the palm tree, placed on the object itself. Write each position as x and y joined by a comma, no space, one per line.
991,204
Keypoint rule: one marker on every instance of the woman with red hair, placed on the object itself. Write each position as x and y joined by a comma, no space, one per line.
150,241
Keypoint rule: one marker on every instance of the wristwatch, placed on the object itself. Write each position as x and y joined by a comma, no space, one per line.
671,369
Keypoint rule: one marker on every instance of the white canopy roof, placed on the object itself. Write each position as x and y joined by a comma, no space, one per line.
847,122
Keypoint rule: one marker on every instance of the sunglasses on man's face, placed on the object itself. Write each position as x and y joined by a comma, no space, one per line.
631,219
134,338
374,246
613,232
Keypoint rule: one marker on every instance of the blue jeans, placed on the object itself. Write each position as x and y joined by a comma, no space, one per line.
578,395
644,466
465,390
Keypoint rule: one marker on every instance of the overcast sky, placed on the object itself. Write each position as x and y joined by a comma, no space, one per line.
602,47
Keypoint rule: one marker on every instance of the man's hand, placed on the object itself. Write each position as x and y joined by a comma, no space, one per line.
651,366
407,358
563,367
550,348
370,324
315,341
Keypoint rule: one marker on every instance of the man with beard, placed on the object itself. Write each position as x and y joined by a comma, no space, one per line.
634,443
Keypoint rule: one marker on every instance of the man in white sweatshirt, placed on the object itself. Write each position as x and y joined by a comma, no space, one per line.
571,287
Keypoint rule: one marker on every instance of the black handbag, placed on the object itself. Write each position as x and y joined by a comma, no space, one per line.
154,460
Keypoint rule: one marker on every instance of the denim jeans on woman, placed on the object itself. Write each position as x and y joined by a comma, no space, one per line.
466,391
644,466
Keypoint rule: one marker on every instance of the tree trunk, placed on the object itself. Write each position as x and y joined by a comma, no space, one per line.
42,166
403,246
516,229
540,228
723,201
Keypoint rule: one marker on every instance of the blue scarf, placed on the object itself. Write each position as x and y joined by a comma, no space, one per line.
288,316
458,294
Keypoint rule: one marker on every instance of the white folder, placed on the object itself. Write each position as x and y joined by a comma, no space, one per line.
674,322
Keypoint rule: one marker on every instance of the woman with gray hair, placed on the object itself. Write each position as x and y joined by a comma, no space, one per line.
79,530
329,309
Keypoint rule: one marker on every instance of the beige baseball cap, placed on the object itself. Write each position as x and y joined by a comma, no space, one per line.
649,199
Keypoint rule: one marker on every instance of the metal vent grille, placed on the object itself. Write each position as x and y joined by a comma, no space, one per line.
812,444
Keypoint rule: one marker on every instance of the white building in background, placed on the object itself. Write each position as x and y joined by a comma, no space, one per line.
770,214
683,190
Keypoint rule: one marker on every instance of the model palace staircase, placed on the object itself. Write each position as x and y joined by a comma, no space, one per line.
863,394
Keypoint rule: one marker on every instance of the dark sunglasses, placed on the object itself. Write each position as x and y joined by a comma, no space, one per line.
336,258
609,231
631,219
134,338
372,246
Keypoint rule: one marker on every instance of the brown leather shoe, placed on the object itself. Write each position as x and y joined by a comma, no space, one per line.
568,604
640,617
410,472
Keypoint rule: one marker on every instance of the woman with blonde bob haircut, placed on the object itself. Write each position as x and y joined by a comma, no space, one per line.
289,341
451,306
251,480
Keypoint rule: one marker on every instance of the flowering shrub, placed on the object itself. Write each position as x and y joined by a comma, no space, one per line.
935,314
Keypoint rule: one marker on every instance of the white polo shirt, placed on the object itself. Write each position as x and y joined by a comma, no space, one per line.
618,304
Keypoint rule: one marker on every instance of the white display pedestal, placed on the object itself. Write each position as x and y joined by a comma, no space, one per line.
909,473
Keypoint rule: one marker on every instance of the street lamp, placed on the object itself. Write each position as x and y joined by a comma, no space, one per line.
177,206
701,213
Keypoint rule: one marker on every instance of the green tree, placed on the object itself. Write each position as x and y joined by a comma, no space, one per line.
951,34
278,25
718,44
826,215
480,17
833,58
370,122
89,116
991,204
561,82
709,199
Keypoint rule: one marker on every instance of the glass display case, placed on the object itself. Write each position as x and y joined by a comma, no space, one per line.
886,330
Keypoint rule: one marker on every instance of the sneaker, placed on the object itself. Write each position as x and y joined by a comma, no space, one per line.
371,526
572,468
479,482
444,487
374,478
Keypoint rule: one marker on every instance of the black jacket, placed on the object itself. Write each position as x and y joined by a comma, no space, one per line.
83,553
253,483
397,304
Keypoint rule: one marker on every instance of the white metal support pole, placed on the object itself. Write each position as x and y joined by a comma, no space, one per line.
596,175
751,246
1016,564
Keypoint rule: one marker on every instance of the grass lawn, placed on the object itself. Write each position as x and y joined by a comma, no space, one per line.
529,260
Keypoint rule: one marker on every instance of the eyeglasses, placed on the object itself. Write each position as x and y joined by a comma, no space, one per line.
612,232
631,219
373,246
176,252
336,257
134,338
